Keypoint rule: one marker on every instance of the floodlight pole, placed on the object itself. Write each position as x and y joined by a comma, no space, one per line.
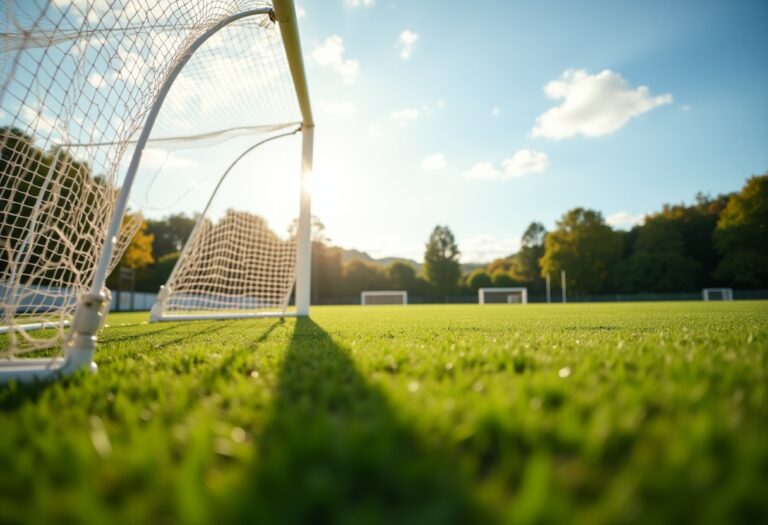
285,15
562,283
549,290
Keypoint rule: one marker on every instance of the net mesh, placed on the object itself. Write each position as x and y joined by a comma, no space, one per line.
77,80
236,264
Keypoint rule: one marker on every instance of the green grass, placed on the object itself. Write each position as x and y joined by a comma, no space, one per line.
648,413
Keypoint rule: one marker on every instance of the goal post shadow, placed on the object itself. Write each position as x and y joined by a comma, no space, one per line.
336,447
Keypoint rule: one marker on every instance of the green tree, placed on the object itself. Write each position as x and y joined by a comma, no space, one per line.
657,272
402,276
441,261
502,279
360,275
585,247
742,235
479,278
506,264
657,262
170,233
151,278
696,224
526,262
327,271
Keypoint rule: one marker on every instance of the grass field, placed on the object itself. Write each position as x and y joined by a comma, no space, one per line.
611,413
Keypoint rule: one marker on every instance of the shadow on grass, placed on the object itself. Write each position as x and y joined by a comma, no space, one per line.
140,332
205,330
334,451
227,365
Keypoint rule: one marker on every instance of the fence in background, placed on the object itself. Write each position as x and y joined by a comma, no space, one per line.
588,298
138,301
131,301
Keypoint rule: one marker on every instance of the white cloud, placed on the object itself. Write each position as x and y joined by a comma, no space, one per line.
358,3
496,111
521,163
331,54
593,105
623,219
300,12
97,80
483,171
158,158
486,248
407,41
434,162
686,107
404,116
336,108
43,123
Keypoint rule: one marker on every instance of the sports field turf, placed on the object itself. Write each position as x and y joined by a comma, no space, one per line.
611,413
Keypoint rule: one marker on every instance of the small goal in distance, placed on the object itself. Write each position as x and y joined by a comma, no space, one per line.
717,294
502,295
370,298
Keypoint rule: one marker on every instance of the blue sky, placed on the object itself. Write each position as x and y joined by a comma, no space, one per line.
490,115
483,116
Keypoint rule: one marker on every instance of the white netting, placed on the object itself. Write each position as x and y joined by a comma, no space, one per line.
241,257
77,80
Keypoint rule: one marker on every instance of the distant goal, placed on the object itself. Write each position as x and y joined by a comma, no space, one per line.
717,294
383,297
502,295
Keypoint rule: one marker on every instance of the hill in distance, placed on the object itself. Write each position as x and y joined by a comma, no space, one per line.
352,254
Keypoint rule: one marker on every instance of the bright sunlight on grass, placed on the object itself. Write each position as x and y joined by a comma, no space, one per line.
437,414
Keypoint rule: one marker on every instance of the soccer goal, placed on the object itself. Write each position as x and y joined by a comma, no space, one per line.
502,295
717,294
114,111
369,298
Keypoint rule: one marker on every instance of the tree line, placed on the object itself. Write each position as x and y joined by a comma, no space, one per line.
715,241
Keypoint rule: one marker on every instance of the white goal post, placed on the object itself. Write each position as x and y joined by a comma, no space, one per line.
502,295
88,90
368,298
717,294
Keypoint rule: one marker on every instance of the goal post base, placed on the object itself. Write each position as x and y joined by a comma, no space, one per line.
79,346
42,369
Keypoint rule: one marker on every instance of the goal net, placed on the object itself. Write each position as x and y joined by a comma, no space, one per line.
127,105
240,260
383,297
717,294
502,295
